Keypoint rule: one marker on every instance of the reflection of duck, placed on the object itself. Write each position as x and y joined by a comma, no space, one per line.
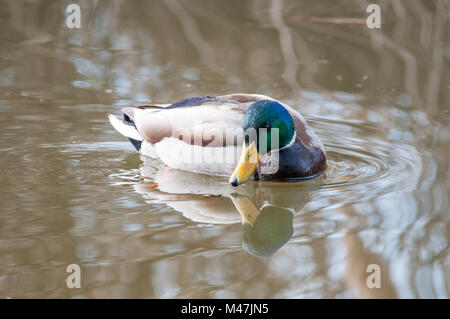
266,230
266,210
204,134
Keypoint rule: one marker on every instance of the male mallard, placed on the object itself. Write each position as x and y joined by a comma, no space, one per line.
203,134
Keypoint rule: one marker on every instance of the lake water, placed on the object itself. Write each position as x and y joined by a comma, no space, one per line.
74,191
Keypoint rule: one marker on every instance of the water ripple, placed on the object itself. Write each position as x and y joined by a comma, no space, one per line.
361,167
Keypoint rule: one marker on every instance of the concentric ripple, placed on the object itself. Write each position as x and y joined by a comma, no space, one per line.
363,163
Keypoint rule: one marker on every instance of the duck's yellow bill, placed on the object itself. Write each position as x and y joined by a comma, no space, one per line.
246,166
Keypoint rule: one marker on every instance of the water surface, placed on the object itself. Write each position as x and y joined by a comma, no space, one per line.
74,191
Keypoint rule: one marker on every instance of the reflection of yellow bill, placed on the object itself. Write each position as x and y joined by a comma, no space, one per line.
246,165
246,208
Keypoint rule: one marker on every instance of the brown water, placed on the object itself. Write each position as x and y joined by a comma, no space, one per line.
74,191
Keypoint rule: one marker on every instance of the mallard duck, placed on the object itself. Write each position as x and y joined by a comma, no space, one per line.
204,135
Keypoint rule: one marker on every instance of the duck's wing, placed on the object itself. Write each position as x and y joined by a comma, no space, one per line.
204,120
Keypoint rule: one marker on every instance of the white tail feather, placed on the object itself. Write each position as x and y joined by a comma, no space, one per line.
124,129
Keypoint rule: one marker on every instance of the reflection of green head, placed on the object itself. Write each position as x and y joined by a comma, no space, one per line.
270,231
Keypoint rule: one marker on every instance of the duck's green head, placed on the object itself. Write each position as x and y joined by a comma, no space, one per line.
266,122
269,115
